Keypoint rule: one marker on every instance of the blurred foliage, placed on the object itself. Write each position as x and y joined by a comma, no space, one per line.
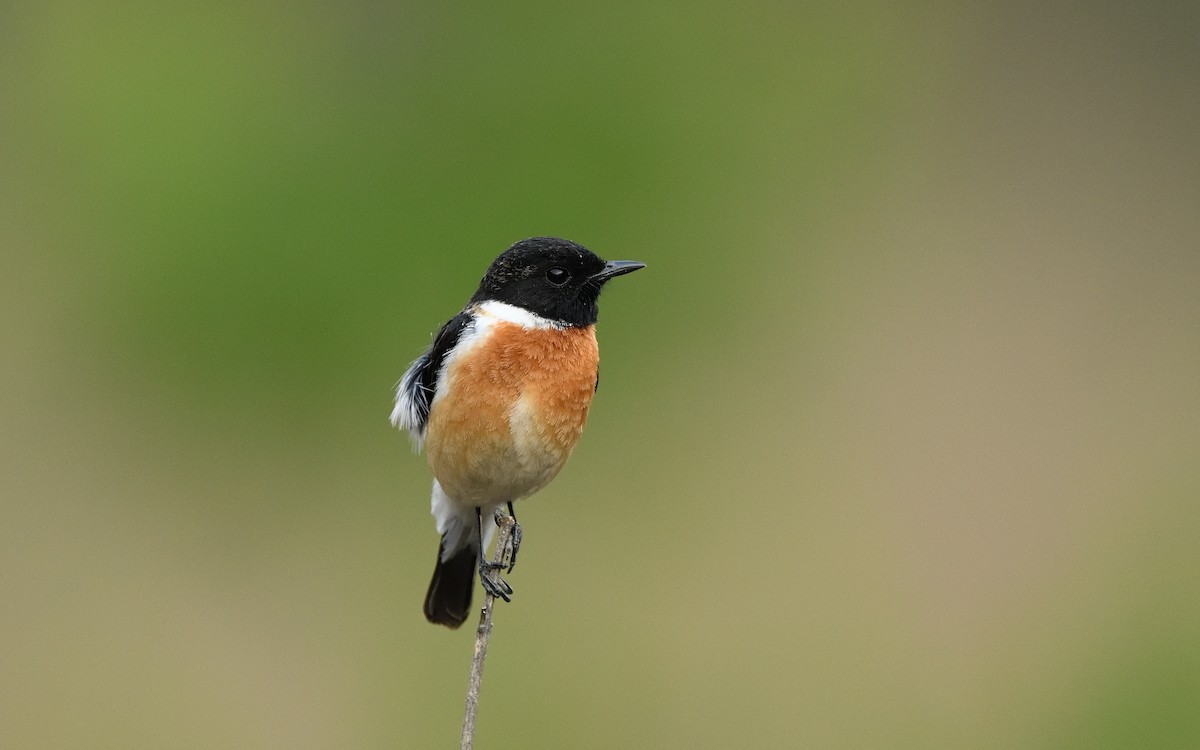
897,444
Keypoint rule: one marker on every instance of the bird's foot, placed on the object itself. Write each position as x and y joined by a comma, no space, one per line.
514,544
492,583
490,579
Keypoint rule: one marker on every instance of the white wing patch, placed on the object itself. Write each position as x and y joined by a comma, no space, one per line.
412,403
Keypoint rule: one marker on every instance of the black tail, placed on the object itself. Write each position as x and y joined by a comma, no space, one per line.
448,601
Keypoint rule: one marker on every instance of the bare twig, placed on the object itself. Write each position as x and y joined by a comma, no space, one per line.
501,557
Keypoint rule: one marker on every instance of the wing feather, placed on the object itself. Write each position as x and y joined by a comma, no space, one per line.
415,391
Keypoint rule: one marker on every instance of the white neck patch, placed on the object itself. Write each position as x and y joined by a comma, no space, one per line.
502,311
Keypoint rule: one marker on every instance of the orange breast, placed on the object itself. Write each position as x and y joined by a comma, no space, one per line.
512,411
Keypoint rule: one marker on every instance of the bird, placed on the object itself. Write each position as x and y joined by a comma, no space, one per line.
499,401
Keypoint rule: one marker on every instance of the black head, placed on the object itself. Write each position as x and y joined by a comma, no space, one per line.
553,278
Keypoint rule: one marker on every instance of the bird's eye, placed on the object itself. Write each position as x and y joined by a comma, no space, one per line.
557,276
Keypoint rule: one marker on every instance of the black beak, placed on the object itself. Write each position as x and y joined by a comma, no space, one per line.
616,268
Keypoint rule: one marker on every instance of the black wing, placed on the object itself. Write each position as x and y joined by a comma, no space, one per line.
414,393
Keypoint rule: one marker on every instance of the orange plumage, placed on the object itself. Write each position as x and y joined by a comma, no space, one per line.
513,409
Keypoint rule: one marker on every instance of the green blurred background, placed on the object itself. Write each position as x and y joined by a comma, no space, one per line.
898,444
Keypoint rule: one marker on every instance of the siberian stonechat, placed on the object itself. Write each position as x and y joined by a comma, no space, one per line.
500,399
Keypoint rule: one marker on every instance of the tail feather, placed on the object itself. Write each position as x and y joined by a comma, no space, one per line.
448,601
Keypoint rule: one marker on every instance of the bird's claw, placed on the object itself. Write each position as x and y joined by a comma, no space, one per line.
496,587
489,578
